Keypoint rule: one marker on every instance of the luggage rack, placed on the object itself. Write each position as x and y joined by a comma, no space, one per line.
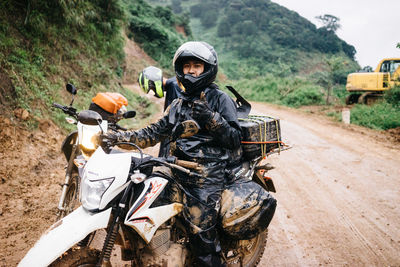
266,139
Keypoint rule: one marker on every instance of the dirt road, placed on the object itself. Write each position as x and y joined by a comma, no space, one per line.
338,195
338,192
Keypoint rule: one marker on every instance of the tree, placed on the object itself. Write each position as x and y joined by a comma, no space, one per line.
330,22
367,69
176,6
398,45
208,19
335,74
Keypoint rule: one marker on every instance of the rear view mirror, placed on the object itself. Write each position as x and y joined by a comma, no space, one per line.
129,114
71,88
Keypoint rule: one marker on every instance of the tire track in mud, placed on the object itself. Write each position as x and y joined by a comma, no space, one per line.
363,240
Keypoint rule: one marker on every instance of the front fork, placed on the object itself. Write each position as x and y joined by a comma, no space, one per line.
68,173
112,229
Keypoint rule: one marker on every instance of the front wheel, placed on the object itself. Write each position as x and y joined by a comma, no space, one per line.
71,201
247,253
78,257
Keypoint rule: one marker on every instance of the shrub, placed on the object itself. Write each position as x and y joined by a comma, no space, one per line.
304,96
381,116
393,96
154,29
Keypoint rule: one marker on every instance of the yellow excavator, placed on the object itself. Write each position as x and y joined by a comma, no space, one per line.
366,87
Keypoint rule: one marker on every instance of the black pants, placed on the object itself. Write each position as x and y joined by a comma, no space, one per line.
201,206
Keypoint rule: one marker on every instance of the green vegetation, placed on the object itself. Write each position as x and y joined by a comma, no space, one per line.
266,52
155,29
44,45
382,116
261,33
292,92
263,47
272,54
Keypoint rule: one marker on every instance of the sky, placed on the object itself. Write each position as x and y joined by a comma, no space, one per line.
371,26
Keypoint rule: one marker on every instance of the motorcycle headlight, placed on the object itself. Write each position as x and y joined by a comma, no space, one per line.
92,192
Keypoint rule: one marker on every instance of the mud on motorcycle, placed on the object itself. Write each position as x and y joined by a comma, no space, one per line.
77,146
120,193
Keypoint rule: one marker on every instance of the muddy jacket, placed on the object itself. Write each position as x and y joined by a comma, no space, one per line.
172,91
219,141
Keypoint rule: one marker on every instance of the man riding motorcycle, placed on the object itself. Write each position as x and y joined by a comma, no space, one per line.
216,147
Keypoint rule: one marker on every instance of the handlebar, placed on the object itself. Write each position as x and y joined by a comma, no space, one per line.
66,109
187,164
181,165
56,105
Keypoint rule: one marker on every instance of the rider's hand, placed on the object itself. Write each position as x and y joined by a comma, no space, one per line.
201,112
107,140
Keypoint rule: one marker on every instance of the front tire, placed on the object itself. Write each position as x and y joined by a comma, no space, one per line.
246,253
71,201
78,257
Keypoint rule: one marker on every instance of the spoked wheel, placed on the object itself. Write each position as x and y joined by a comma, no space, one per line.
246,253
71,201
78,257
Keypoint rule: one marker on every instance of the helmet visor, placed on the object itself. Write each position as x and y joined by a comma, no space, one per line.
195,49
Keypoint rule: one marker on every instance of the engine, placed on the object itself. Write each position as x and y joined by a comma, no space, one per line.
161,251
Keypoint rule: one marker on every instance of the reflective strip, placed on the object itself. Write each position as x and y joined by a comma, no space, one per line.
159,91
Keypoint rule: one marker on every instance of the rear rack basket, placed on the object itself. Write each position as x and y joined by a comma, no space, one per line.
261,136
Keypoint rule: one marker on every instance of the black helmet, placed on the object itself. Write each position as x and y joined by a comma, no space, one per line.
200,51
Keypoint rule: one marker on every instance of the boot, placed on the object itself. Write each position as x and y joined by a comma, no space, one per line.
206,248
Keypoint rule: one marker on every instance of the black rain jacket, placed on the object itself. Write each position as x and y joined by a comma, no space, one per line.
219,141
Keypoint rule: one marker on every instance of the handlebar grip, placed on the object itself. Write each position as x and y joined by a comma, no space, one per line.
58,106
187,164
119,127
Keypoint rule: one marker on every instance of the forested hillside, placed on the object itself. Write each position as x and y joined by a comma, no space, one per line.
266,51
264,36
46,44
272,54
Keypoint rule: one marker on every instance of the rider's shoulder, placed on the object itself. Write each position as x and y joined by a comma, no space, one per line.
213,91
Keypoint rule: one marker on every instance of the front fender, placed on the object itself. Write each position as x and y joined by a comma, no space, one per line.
63,235
68,143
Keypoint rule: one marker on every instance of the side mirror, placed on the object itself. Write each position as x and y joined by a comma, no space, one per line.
71,89
129,114
185,129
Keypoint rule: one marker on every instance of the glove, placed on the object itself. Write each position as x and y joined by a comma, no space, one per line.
201,112
112,137
107,140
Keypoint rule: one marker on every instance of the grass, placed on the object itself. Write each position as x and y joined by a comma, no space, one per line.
43,55
289,91
381,116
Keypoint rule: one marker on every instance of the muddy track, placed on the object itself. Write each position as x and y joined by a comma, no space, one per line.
338,192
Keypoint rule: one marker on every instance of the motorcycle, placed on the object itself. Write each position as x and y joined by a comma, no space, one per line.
76,146
120,193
